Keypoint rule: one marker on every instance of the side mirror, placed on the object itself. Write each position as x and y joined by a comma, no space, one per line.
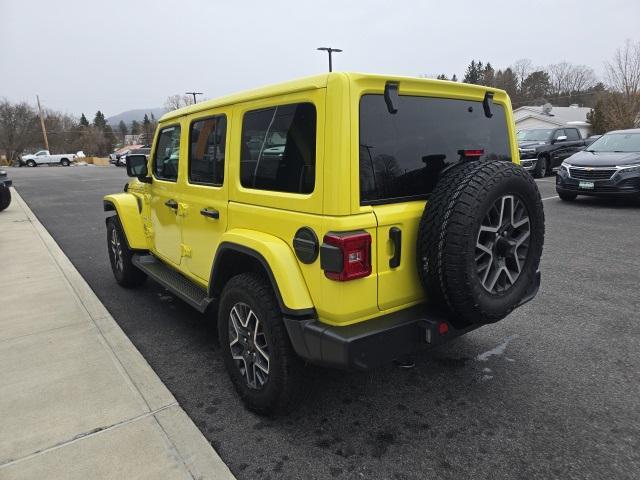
137,166
561,138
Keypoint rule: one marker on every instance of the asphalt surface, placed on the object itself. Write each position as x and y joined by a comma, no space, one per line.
553,391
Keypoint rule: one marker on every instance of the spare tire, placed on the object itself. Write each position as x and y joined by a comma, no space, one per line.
480,240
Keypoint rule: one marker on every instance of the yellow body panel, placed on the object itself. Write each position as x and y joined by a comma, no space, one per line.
282,262
126,206
267,221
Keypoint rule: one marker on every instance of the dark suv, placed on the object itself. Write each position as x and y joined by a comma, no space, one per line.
543,149
610,166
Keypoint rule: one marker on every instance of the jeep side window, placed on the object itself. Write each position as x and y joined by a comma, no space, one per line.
278,149
207,142
402,154
167,154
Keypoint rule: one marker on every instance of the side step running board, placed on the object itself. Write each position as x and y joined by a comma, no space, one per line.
178,284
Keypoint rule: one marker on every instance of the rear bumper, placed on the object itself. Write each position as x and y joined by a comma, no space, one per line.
378,341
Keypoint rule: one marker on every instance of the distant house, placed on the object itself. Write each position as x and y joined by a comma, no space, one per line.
547,116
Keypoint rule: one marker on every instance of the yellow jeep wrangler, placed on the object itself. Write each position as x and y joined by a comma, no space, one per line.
342,220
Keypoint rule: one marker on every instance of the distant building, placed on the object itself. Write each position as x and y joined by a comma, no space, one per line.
139,139
547,116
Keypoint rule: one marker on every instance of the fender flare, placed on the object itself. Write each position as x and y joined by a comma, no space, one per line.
128,208
274,257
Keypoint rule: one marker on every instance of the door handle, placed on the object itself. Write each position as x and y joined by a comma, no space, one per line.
395,235
210,212
172,204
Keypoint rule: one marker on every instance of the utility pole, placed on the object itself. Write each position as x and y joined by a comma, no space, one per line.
44,130
194,95
330,50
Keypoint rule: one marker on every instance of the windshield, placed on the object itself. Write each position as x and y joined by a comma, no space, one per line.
536,135
616,142
402,153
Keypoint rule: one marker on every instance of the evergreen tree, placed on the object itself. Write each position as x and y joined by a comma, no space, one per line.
472,75
536,86
454,78
135,127
83,121
508,81
487,75
122,128
99,121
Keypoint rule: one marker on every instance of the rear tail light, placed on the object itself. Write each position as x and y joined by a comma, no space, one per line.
346,255
477,152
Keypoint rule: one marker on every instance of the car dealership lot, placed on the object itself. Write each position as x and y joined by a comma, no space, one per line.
551,391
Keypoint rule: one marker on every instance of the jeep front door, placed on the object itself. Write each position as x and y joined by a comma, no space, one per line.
164,195
205,194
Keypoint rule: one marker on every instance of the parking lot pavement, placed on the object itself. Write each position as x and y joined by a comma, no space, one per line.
553,391
77,399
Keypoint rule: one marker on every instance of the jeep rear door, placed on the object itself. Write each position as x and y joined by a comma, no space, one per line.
204,192
401,156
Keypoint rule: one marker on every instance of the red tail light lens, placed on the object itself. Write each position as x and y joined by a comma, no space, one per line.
472,153
346,256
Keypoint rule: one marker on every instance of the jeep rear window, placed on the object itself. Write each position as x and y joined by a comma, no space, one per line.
278,150
402,154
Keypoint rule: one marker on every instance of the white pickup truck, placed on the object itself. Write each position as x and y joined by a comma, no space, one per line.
43,157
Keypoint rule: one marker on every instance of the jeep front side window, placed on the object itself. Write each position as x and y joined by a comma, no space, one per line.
278,150
167,154
402,153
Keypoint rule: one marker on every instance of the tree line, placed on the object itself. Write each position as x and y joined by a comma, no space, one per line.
615,102
20,131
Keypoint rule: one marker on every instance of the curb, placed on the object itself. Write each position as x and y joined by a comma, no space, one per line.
192,447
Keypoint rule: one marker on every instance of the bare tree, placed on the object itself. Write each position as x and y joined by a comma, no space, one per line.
522,69
566,78
174,102
18,128
623,72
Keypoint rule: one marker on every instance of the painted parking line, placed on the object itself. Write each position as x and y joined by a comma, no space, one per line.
549,198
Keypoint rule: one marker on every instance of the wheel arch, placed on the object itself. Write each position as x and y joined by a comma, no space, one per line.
251,252
128,210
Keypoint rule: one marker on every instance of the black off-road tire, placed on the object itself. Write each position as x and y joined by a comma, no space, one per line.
567,197
449,230
5,197
287,382
542,167
125,273
31,163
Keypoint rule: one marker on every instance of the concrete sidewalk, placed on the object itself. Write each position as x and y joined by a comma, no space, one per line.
77,400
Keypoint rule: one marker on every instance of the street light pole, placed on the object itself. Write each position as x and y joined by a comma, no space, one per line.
330,50
194,95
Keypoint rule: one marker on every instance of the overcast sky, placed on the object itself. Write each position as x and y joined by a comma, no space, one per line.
81,56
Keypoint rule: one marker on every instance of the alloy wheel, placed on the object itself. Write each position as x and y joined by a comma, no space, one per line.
116,249
248,344
502,245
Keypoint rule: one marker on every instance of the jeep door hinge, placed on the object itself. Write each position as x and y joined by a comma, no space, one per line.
183,209
148,231
185,250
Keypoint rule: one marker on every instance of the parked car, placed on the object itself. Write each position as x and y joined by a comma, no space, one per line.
122,158
610,166
325,251
592,138
543,149
43,157
5,192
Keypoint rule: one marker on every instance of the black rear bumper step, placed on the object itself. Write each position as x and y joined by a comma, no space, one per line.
376,342
175,282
